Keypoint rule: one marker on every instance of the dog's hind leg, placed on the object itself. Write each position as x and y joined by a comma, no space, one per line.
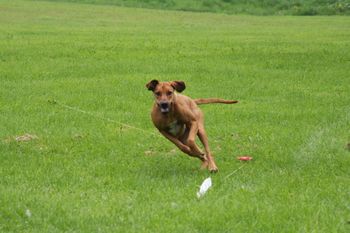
210,163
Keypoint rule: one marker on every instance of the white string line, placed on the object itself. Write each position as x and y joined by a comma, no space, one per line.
102,118
234,172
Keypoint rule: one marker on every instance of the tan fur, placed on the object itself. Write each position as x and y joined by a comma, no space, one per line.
178,118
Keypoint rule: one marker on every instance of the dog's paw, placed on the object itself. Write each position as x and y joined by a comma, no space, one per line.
213,168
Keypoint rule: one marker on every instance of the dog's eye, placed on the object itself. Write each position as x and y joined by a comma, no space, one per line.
169,93
157,93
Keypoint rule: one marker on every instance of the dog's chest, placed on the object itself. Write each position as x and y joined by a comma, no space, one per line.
175,127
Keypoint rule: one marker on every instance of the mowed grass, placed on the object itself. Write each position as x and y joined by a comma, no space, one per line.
85,172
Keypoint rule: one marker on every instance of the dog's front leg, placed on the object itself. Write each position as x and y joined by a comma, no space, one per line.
191,138
184,148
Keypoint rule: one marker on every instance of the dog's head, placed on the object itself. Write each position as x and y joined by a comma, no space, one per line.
164,93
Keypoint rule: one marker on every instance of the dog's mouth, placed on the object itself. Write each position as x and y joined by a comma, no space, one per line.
164,110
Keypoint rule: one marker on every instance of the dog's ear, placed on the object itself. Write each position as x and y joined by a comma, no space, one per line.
152,85
179,86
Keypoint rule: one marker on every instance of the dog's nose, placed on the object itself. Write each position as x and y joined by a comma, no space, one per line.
164,105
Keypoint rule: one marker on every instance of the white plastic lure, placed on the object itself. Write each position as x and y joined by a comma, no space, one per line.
204,187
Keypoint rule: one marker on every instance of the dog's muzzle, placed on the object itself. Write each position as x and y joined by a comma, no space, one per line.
164,107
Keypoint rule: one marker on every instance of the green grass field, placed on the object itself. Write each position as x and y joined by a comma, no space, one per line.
85,172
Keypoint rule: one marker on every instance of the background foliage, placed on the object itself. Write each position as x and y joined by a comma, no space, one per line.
254,7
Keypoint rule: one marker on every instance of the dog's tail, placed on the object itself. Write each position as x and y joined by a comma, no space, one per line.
214,100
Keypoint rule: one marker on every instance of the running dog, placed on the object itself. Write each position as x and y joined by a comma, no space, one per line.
179,119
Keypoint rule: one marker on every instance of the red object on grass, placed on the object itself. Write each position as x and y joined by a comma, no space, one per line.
245,158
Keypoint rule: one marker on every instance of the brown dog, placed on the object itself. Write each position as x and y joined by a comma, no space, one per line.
178,118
